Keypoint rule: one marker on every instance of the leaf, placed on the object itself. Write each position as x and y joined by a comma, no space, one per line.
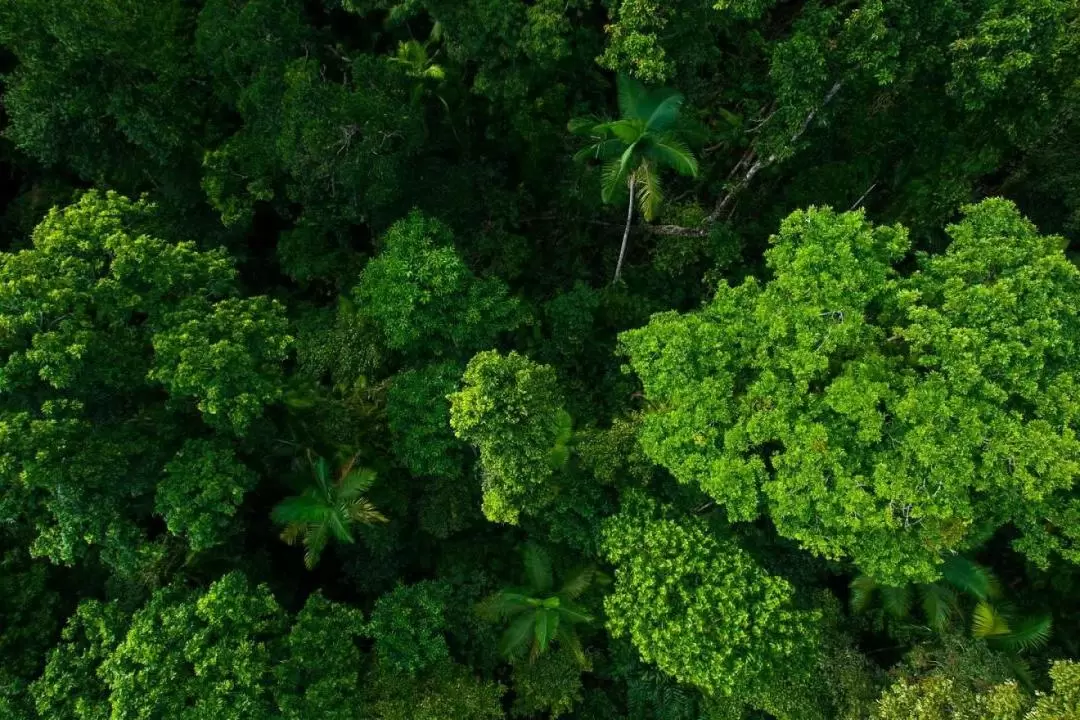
569,639
675,154
986,622
613,180
896,600
363,511
545,628
863,588
538,568
577,582
665,113
939,605
1030,633
585,126
573,613
356,483
632,95
516,637
970,578
629,131
302,509
503,604
649,193
603,150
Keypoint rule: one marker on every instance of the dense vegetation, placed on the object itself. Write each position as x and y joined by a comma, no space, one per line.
584,359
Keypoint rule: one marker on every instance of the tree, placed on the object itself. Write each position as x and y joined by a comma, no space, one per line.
327,508
204,483
407,625
510,408
228,651
700,608
426,300
884,417
636,148
540,615
117,347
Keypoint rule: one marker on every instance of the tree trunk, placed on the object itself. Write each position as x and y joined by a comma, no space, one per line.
626,232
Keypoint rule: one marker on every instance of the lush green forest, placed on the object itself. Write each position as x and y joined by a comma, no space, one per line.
583,359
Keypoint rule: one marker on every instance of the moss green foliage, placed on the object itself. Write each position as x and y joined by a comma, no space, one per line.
328,391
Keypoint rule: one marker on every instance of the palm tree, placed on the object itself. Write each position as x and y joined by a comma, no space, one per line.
635,148
991,620
327,509
539,614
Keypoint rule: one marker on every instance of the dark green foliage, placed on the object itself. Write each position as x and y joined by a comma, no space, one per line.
424,298
327,508
407,626
357,295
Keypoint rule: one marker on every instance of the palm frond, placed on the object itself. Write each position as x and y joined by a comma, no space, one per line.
321,471
315,540
336,526
573,613
863,588
577,582
649,193
970,578
602,150
355,483
545,628
896,600
613,180
1022,672
569,639
538,568
632,96
518,636
293,532
629,131
305,508
361,510
672,152
503,604
585,126
987,622
665,113
1030,633
939,605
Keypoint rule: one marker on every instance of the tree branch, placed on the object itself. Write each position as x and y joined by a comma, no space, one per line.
723,201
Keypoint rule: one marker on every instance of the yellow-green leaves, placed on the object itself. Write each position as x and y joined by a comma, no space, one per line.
510,408
698,606
883,418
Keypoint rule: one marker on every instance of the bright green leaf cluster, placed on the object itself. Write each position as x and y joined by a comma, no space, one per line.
510,408
871,415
